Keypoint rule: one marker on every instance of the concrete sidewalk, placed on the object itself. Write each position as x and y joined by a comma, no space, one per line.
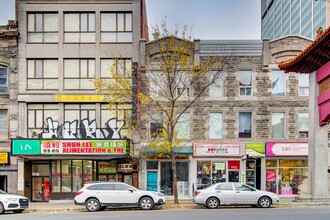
68,205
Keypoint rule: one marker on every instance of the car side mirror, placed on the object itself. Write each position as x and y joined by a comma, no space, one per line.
131,190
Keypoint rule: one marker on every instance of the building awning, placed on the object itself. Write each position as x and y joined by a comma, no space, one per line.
312,58
179,151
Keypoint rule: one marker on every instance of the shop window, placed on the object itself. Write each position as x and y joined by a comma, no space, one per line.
183,126
271,163
278,83
217,87
3,79
42,74
303,81
116,27
66,185
166,179
76,171
245,82
278,125
56,176
79,74
42,28
79,27
215,130
3,124
245,124
88,171
303,124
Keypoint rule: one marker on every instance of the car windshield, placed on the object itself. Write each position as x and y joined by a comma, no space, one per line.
2,192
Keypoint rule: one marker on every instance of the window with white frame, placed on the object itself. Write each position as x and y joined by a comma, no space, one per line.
303,81
182,128
245,124
245,82
42,74
42,28
182,80
156,124
79,27
303,124
37,115
3,124
215,127
111,67
157,88
216,88
278,125
116,27
278,83
79,73
3,79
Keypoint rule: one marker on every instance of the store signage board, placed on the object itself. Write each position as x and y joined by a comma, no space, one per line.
4,158
69,147
216,149
255,149
107,168
79,98
25,147
274,149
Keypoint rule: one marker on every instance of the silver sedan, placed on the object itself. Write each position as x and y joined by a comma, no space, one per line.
234,194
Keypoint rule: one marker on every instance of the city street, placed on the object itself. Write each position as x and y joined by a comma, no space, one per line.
246,213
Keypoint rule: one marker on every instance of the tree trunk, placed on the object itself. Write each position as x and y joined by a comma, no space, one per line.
175,180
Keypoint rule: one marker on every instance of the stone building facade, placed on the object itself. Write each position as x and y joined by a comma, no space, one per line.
8,104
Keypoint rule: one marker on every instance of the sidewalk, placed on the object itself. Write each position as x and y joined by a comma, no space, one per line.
68,205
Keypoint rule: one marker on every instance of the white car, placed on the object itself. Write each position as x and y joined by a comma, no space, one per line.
15,203
228,193
98,196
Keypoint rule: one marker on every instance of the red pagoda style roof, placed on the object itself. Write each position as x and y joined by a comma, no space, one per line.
312,58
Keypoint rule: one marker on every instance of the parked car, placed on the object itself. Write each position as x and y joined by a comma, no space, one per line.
15,203
228,193
98,196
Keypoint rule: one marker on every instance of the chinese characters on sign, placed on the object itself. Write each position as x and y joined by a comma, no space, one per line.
216,149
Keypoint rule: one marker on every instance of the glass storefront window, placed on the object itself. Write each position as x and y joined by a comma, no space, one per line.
271,163
66,176
218,172
76,171
56,176
293,163
88,171
203,174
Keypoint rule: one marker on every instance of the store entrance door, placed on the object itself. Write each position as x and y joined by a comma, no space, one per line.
3,183
40,189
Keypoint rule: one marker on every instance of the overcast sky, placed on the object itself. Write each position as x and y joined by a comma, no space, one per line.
208,19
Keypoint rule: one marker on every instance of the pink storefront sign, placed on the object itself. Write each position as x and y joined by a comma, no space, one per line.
286,149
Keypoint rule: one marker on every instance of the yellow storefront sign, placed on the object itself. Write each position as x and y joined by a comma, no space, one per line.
79,98
4,158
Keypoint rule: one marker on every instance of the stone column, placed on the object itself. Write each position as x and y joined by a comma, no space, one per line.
20,176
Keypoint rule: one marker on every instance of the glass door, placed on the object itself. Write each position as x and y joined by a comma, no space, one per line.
40,189
152,180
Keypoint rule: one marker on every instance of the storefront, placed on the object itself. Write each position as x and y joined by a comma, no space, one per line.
216,162
286,166
56,169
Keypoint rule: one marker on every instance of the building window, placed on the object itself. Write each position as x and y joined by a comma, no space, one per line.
278,125
245,82
116,27
303,84
3,125
156,124
183,126
43,28
215,128
3,79
245,124
79,27
110,68
78,74
303,124
278,83
216,88
42,74
182,84
122,113
37,118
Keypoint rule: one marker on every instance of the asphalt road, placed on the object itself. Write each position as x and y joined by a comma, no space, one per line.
303,213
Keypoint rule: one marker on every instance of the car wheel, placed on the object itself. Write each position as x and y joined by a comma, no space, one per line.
146,203
2,209
212,203
18,211
264,202
93,205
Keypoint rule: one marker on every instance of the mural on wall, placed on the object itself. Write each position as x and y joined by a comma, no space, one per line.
88,129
